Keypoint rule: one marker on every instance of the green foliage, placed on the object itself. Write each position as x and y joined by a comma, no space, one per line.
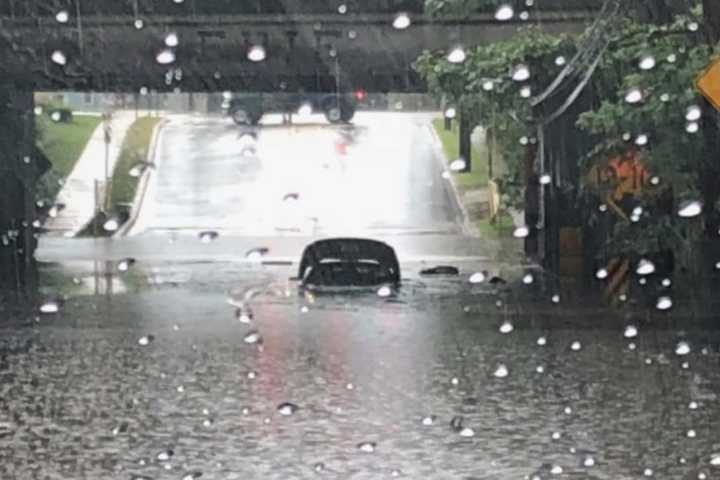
133,151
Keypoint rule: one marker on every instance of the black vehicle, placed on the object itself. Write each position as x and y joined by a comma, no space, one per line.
348,262
248,109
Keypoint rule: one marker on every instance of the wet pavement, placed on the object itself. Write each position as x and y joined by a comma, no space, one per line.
195,361
159,359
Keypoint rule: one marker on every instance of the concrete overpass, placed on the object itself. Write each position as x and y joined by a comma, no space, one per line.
114,45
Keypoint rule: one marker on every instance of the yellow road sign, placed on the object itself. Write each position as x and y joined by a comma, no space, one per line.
709,83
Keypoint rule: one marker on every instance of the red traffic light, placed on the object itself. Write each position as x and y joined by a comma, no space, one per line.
360,95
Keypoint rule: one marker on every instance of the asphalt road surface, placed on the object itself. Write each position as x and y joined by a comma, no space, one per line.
383,177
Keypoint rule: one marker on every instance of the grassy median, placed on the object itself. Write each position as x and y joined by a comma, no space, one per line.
478,177
134,150
62,144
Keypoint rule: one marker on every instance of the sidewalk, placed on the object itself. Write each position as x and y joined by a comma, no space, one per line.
78,193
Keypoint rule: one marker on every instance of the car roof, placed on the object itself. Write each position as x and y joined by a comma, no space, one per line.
348,249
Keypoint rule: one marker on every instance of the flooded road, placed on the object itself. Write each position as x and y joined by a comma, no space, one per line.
166,378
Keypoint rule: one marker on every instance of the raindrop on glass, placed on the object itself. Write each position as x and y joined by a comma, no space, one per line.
58,57
165,57
690,208
525,92
634,95
488,85
287,408
457,165
672,58
342,9
631,331
601,274
146,340
645,267
367,447
589,462
427,421
521,73
691,433
545,179
692,127
208,236
682,348
139,24
664,303
648,472
641,140
693,113
124,264
521,232
540,369
556,470
528,279
401,21
506,327
542,341
450,113
665,97
575,346
555,298
62,16
252,337
501,371
647,62
477,277
693,405
560,61
50,307
467,432
456,55
256,53
504,12
384,291
172,40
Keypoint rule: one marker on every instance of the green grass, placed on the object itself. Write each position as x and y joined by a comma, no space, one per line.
478,176
134,150
502,227
63,143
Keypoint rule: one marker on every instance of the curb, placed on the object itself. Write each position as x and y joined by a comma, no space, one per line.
143,183
440,154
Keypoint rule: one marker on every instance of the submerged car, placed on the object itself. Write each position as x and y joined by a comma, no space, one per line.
348,263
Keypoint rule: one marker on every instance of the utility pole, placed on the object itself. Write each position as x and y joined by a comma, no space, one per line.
711,128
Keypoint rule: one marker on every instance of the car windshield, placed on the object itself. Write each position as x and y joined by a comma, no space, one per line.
359,239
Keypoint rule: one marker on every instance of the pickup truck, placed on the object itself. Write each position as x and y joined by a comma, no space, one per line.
248,109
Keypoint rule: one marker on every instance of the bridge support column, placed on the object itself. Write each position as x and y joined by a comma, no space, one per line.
465,142
19,170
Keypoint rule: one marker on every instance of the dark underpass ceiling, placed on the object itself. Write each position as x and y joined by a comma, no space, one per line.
192,45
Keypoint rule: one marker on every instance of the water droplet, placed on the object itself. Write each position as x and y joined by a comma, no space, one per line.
454,381
641,140
523,140
50,307
521,232
528,279
589,462
62,16
504,13
342,9
58,57
525,91
693,113
567,410
477,277
111,225
542,341
319,467
648,472
401,21
575,346
521,73
556,470
488,85
146,340
647,62
457,55
165,57
124,264
501,371
192,475
702,476
165,455
682,348
691,433
287,408
244,315
256,253
556,435
450,112
672,58
693,405
631,346
545,179
540,369
693,26
427,421
666,282
467,432
601,274
715,459
138,23
172,40
630,331
664,303
395,473
367,447
253,337
457,165
645,267
506,327
692,127
634,95
690,208
256,53
560,61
